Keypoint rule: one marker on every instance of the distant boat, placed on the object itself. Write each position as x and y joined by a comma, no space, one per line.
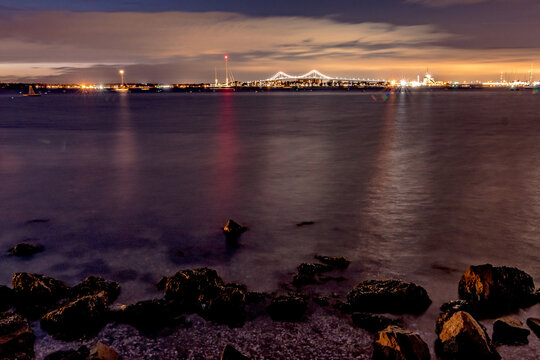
31,92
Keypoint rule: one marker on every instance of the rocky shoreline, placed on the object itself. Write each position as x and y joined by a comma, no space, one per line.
85,316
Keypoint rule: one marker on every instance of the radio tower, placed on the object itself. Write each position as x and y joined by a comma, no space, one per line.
226,70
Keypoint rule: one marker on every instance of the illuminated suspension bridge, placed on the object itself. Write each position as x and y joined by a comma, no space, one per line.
315,76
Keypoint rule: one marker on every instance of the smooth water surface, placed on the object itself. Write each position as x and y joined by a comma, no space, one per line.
136,186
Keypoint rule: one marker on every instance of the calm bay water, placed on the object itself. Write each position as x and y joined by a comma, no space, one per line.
418,186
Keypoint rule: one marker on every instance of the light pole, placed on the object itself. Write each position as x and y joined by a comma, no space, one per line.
122,75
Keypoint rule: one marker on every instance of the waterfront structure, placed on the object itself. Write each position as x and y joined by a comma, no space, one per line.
314,78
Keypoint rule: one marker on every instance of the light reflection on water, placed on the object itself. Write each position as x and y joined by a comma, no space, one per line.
418,187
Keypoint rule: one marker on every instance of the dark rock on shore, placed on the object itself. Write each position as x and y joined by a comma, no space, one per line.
337,262
458,305
450,308
16,337
461,337
202,291
509,330
25,249
230,353
534,324
6,298
289,308
373,323
343,307
229,306
101,351
193,290
82,353
149,316
93,285
81,318
496,290
395,343
254,297
233,230
36,293
388,296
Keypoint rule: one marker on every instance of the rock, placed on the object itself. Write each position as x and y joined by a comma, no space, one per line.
203,291
373,323
101,351
343,307
6,298
509,330
321,300
462,337
38,221
16,337
229,306
458,305
450,308
287,308
233,230
388,296
36,293
304,223
309,274
534,324
80,354
94,285
230,353
193,290
395,343
338,262
149,316
496,290
25,249
79,319
254,297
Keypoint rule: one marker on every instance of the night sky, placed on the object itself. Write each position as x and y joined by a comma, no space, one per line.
183,41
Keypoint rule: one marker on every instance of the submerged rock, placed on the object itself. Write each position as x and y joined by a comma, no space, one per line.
25,249
233,230
496,290
373,323
509,330
230,353
81,318
534,324
6,298
338,262
16,338
287,308
101,351
93,285
309,274
36,293
395,343
462,337
82,353
388,296
149,316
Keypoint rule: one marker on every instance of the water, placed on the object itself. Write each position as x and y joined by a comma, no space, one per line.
418,186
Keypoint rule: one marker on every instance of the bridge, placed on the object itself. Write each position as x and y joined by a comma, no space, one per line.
316,77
